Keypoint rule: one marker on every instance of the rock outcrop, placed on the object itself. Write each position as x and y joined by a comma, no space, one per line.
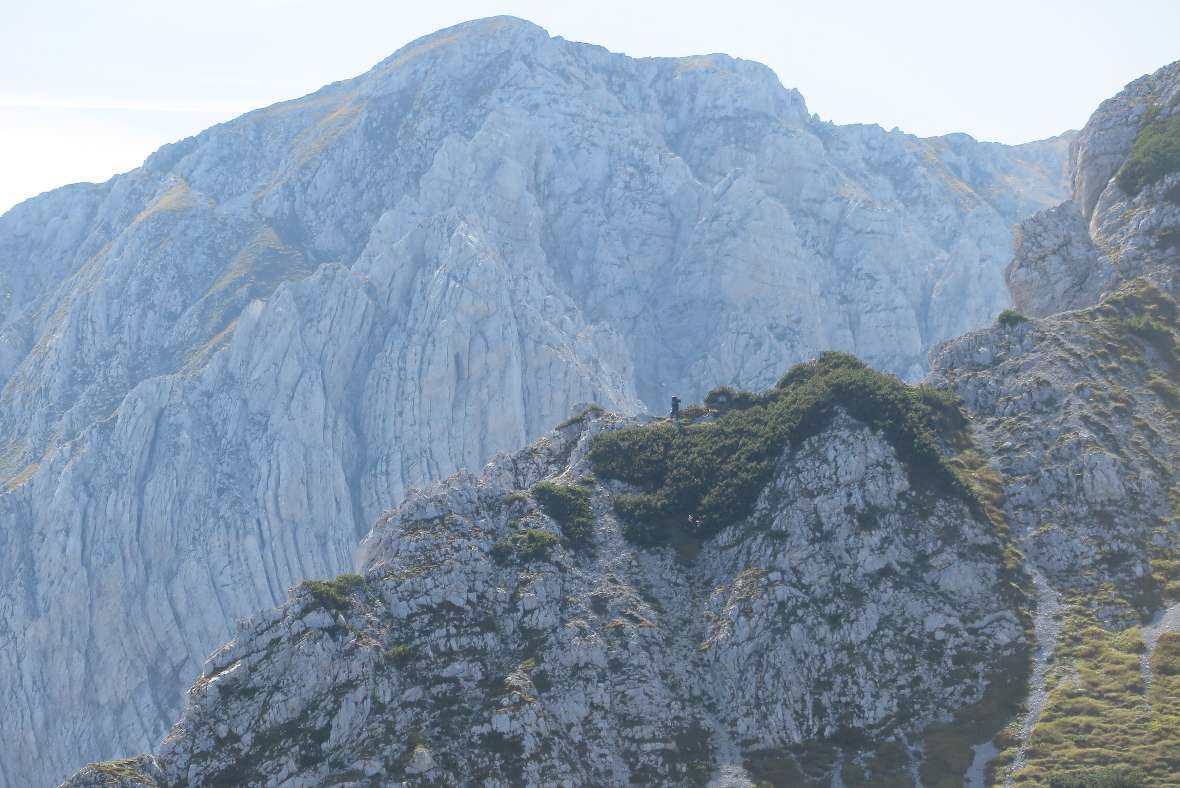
1079,413
1124,218
822,635
218,369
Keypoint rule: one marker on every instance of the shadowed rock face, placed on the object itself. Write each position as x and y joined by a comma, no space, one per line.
1070,255
219,368
847,608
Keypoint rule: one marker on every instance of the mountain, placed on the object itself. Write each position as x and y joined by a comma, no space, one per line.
217,370
527,626
842,580
1079,413
1122,220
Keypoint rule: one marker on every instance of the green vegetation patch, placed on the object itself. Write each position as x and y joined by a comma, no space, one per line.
1140,310
399,654
334,594
1101,777
1146,326
515,497
1154,154
569,505
122,771
697,478
588,412
529,544
1100,726
725,398
1010,317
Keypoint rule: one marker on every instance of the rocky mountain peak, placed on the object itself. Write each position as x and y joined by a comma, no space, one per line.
1124,218
1106,141
218,369
533,624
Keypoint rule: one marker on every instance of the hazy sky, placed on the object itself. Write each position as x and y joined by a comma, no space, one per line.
89,88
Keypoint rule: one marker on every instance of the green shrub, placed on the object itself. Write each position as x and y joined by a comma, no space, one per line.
1146,326
697,479
515,497
1010,317
590,411
399,654
569,505
827,362
1100,777
1154,154
334,594
530,544
728,398
1166,660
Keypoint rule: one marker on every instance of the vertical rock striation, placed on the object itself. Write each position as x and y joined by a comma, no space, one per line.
216,370
826,631
1124,218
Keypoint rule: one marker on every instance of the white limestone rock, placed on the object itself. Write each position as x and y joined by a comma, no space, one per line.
847,604
1069,256
218,368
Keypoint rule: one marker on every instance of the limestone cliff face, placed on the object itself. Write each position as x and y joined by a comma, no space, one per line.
1069,256
1079,415
1078,409
219,368
822,635
1079,412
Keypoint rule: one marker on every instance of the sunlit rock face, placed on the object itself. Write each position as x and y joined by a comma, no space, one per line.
1078,413
847,611
1078,408
218,369
1114,228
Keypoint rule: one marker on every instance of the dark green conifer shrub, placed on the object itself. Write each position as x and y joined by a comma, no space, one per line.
698,478
530,544
1010,317
569,505
1154,154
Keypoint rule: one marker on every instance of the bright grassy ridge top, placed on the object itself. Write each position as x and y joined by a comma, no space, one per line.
700,477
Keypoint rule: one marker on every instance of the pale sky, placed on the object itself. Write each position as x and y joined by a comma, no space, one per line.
88,88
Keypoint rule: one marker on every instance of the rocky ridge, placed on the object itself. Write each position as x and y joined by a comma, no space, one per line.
1123,220
821,638
1074,442
217,370
1079,412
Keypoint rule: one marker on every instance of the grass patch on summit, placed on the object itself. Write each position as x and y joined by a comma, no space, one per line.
334,594
699,477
